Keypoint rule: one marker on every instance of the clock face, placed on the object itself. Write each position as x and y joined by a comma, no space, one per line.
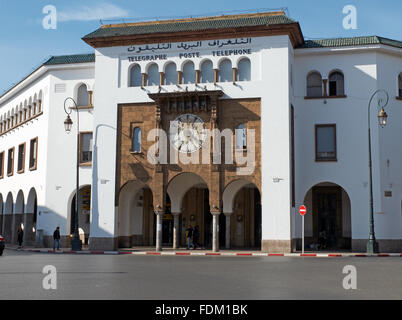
187,133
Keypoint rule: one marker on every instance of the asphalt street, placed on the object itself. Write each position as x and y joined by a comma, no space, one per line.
213,278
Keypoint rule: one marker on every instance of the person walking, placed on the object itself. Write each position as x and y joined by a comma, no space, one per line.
20,236
196,237
189,235
56,238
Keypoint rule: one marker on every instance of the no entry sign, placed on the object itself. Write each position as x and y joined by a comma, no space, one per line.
302,210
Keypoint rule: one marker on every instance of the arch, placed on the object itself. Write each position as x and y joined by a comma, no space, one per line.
206,71
336,81
400,85
188,72
82,95
170,73
136,145
1,213
243,69
135,76
9,206
153,75
19,203
225,71
328,227
135,215
231,191
178,187
314,84
84,202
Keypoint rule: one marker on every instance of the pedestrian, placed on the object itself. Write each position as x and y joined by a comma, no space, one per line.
56,238
20,236
196,237
189,235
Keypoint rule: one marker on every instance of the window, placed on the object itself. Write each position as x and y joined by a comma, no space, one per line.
85,147
2,165
336,84
21,158
207,72
83,96
225,71
325,142
188,73
136,140
314,85
33,154
135,76
10,163
241,137
400,85
171,74
244,70
153,75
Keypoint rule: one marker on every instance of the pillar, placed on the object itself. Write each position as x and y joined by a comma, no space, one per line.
228,216
159,231
215,231
176,226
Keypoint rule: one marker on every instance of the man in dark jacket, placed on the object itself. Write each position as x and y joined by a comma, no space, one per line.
56,238
189,234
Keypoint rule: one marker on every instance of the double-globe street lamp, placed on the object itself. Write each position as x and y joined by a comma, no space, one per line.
76,244
372,244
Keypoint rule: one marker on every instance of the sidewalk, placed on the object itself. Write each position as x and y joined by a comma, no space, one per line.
150,251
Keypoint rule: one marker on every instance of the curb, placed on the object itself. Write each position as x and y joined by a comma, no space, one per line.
219,254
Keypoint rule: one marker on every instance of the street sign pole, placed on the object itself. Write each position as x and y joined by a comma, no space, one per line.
303,234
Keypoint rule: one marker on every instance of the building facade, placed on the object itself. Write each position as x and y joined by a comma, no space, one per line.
225,123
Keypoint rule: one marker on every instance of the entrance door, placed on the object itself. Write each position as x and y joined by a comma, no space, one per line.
327,216
167,230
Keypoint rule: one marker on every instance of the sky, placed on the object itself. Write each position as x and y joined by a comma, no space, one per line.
25,44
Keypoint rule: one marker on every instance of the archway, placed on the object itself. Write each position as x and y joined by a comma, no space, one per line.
8,218
84,213
31,217
1,214
188,203
329,227
243,215
136,218
18,216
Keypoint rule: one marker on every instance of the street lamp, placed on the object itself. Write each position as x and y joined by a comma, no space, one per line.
76,244
372,244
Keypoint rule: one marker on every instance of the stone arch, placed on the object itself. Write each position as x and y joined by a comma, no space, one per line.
84,219
30,217
8,218
328,224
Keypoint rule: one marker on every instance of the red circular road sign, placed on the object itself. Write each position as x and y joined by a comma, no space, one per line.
302,210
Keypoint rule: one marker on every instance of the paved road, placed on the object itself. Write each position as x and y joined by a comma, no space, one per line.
152,277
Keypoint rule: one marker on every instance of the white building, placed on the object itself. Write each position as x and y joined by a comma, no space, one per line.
306,101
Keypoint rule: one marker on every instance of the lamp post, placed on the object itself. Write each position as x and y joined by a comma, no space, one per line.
372,244
76,244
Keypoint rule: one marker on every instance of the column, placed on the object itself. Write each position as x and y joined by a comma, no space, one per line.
228,216
176,227
159,231
215,231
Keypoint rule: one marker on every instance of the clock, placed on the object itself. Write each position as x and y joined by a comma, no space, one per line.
187,133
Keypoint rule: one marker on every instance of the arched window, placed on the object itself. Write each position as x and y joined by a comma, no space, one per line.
241,137
153,75
171,74
314,85
136,140
83,96
135,76
225,71
188,72
400,85
207,72
244,70
336,84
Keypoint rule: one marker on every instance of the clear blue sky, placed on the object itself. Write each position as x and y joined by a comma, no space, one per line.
25,44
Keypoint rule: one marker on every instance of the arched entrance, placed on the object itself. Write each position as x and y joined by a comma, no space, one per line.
243,215
31,217
18,215
329,226
8,218
1,214
136,218
84,213
188,203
